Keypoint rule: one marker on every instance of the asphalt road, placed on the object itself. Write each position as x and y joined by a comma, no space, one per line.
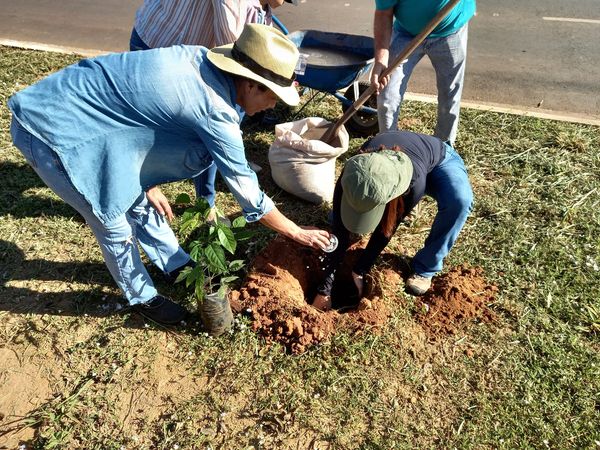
529,55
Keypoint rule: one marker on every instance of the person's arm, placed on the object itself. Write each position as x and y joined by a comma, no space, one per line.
377,243
332,261
309,236
382,33
229,20
221,135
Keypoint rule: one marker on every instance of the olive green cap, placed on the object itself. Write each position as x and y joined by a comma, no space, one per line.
370,181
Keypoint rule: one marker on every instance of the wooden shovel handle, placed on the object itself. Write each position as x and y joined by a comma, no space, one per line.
406,52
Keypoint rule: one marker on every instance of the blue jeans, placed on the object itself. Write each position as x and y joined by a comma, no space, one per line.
118,239
449,185
448,56
204,183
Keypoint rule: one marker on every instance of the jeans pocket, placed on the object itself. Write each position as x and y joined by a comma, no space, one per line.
22,139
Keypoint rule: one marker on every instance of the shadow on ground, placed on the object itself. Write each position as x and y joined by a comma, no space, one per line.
98,298
17,179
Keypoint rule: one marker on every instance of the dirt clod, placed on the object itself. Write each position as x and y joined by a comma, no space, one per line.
456,299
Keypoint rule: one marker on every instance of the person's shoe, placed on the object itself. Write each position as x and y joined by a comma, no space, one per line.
162,310
417,285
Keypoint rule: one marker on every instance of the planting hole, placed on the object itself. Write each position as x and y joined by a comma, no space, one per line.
284,277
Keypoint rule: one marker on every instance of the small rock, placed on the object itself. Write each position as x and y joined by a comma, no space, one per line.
208,431
365,304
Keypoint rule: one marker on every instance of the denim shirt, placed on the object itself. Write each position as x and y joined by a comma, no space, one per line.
125,122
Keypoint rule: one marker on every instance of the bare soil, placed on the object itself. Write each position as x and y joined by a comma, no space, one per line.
456,299
283,279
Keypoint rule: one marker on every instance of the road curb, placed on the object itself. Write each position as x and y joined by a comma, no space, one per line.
482,106
52,48
524,111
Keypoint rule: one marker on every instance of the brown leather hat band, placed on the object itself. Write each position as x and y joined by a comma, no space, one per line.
243,59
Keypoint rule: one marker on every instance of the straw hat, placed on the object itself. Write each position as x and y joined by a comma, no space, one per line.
262,54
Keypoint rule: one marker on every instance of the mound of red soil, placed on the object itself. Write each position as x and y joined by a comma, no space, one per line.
277,292
283,280
456,299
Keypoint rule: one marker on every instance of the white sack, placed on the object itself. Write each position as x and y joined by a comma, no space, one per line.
302,166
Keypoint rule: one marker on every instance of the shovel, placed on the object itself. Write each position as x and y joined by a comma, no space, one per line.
330,134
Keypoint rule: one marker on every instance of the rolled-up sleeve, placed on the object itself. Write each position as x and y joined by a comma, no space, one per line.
223,139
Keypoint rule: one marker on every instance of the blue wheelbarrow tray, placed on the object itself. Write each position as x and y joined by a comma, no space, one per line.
334,60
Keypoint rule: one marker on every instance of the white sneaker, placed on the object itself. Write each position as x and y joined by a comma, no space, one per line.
418,285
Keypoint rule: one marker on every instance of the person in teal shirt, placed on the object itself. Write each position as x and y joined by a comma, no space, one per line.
396,23
105,132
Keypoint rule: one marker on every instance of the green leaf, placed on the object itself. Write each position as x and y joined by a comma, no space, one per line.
222,291
228,279
187,215
236,265
216,258
201,205
190,222
183,274
195,252
239,222
227,239
194,276
182,199
241,234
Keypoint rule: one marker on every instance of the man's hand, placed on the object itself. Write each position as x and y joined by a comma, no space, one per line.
322,302
376,81
159,202
312,237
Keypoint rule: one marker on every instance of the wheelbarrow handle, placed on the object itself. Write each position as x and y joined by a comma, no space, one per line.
406,52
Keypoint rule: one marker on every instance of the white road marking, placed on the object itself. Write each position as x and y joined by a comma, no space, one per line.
571,19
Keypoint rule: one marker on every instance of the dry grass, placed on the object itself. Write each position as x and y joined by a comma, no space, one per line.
78,371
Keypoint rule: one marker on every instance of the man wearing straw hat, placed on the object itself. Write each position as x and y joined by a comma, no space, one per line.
103,133
210,23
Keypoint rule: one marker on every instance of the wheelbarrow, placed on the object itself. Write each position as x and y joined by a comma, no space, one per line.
336,64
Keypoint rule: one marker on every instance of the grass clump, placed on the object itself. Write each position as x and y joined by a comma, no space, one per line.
79,371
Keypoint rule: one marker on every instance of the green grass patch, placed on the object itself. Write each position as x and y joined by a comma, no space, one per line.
79,371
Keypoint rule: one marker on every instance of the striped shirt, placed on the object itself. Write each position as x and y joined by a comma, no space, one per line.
210,23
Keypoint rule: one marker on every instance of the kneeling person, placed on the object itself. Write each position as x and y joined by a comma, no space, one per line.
379,187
